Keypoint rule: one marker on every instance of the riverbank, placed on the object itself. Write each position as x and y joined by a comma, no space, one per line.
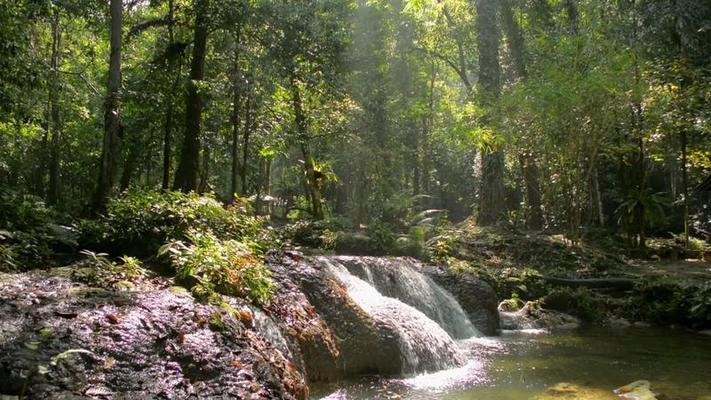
594,280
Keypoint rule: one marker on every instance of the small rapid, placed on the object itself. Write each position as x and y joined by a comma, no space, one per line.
422,315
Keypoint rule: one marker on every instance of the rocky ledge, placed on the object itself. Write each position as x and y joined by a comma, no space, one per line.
62,339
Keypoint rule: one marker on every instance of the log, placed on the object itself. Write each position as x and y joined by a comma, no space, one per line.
593,283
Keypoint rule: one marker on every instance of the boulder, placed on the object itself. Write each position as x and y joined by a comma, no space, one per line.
637,390
570,391
62,339
477,298
533,316
365,344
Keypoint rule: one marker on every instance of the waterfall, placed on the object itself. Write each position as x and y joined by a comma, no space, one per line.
399,279
421,314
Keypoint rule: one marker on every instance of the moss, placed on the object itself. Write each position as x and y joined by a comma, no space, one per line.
215,322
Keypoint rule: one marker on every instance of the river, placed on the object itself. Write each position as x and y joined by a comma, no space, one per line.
519,366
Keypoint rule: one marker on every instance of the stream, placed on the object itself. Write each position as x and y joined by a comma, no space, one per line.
517,366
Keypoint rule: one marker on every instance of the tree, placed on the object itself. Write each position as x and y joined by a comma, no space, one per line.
491,201
112,117
186,175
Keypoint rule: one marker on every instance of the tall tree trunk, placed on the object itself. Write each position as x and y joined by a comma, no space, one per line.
204,185
533,192
530,168
130,163
112,117
514,38
53,192
186,176
168,127
312,181
236,120
598,216
571,10
492,194
245,143
685,186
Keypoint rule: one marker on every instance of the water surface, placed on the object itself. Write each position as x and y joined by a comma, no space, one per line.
519,366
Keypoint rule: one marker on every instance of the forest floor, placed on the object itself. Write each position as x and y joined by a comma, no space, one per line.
691,269
595,279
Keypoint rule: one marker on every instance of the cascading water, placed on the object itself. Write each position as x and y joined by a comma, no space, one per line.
410,303
398,278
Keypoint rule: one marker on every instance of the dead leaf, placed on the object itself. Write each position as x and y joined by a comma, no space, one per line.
112,318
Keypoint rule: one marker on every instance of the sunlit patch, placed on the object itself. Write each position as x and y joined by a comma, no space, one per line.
531,331
473,373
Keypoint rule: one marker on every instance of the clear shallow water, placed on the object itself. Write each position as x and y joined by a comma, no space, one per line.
520,366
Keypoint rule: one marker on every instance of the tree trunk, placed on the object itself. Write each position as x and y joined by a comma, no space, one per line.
685,186
571,10
186,176
168,127
112,117
312,181
533,192
492,195
514,38
598,217
236,109
129,165
245,143
53,192
204,185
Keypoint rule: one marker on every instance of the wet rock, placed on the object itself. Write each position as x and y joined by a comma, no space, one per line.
618,323
363,346
637,390
61,339
334,337
477,298
533,316
570,391
510,305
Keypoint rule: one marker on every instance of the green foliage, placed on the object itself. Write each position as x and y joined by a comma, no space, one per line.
673,301
314,234
98,270
22,212
210,265
382,238
579,302
651,203
140,222
25,238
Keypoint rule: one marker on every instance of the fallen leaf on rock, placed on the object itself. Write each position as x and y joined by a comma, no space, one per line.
110,361
112,318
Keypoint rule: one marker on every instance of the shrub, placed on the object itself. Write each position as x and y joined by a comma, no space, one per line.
315,234
382,240
579,302
24,233
209,265
669,301
97,270
21,212
140,222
